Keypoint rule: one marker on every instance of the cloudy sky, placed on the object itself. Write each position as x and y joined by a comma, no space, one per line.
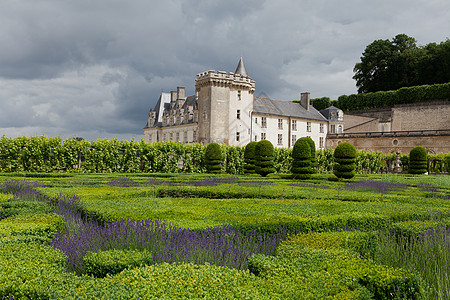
94,68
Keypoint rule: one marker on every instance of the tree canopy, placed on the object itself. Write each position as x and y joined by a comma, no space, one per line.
400,62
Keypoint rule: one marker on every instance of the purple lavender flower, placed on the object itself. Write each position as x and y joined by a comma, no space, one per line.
154,181
375,186
13,186
255,182
203,182
123,182
311,185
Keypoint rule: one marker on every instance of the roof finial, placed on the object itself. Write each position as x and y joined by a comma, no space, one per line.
240,70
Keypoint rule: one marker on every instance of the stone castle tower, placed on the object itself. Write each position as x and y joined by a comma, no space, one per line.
225,104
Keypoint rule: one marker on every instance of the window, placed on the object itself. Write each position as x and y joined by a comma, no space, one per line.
339,128
263,122
321,142
239,95
256,138
238,114
194,136
238,136
178,136
294,125
294,139
280,139
280,123
256,120
333,128
308,126
263,136
185,137
321,127
171,136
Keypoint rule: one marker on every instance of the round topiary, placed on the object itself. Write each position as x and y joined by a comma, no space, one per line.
344,160
249,158
312,146
264,158
418,160
301,160
213,158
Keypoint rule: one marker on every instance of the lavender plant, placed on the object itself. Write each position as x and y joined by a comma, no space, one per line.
223,246
427,255
374,186
122,182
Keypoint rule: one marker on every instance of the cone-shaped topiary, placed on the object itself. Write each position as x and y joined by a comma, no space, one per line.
417,160
249,158
213,158
301,160
264,158
312,146
344,160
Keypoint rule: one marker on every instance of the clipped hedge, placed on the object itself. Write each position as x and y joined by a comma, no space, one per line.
301,163
406,95
99,264
417,160
345,160
250,158
213,158
42,154
264,153
332,262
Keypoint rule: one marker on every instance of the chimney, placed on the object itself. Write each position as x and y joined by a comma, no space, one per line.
304,100
181,93
180,96
173,98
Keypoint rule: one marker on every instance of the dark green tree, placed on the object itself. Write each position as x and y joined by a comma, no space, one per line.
321,103
344,160
301,160
418,160
388,65
249,158
264,158
213,158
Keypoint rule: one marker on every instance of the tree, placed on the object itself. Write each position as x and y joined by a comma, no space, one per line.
387,65
264,154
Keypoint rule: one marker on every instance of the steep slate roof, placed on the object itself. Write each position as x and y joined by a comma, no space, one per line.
163,103
240,70
327,111
285,108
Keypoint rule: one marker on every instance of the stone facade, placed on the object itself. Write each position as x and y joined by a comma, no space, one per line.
398,129
224,110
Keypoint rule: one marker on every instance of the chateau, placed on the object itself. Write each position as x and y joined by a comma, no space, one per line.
224,110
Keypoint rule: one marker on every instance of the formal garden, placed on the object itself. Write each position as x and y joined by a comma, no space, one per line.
129,220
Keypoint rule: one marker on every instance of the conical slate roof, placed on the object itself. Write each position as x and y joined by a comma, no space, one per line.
240,70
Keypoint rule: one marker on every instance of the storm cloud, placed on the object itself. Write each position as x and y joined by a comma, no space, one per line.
94,68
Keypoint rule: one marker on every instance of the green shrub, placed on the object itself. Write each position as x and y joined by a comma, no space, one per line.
250,157
213,158
301,160
264,152
312,147
345,160
417,160
99,264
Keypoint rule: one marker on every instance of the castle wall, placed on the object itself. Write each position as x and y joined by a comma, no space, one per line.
425,116
392,144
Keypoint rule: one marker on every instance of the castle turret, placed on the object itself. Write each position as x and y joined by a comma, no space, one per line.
225,102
